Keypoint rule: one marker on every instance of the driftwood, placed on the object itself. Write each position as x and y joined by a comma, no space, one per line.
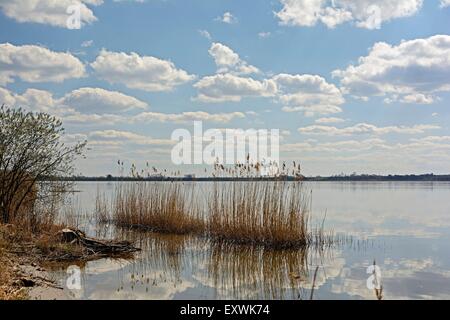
96,246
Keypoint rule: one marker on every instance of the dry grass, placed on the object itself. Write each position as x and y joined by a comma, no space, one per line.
158,207
270,214
8,291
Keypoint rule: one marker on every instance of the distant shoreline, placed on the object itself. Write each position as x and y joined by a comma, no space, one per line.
351,178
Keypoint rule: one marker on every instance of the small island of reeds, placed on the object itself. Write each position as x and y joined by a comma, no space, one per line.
274,214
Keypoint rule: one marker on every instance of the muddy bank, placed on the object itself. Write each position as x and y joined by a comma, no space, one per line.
23,278
24,260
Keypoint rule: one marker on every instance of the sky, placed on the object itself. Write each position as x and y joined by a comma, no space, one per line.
353,86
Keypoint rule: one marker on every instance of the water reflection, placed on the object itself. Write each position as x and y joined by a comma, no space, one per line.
174,266
255,273
406,226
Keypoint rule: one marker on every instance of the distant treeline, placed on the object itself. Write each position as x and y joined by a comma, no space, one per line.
353,177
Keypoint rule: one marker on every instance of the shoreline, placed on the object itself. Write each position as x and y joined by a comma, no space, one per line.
26,279
341,178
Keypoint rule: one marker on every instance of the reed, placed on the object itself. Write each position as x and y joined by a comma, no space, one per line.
158,207
272,214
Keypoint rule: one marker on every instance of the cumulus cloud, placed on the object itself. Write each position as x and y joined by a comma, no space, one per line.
310,94
418,98
445,3
187,117
31,99
365,128
33,63
97,100
410,71
229,61
121,137
81,102
54,13
369,14
329,120
228,18
337,146
139,72
228,87
205,34
149,117
95,106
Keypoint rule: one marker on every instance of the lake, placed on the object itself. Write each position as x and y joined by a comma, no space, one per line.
404,227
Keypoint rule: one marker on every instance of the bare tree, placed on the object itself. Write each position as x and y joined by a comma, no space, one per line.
33,160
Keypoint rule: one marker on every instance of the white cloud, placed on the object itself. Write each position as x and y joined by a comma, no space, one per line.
49,12
97,100
445,3
418,98
187,117
337,146
264,34
205,34
413,70
433,139
223,55
31,99
310,94
81,102
329,120
32,63
228,87
365,128
95,106
312,111
126,136
368,14
139,72
83,119
87,43
148,117
227,17
229,61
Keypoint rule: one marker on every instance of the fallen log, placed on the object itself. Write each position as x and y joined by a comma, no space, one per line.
96,246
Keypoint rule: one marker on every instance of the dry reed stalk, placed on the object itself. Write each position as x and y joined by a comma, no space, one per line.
159,207
272,214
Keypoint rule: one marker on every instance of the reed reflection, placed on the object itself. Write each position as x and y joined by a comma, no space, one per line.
230,271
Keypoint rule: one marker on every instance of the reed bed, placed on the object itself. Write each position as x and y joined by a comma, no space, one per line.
269,213
272,214
158,207
263,213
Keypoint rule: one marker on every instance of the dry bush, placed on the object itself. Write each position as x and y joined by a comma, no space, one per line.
33,159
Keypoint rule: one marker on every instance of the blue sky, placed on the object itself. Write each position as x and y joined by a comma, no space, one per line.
353,86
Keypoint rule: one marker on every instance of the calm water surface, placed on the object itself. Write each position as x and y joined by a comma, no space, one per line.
404,227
